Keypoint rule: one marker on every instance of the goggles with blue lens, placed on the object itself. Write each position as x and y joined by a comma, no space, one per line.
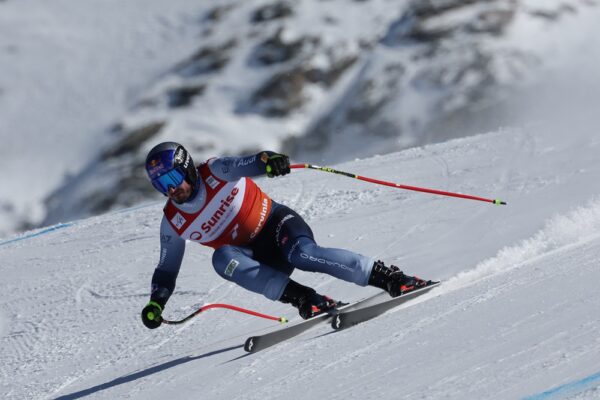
173,178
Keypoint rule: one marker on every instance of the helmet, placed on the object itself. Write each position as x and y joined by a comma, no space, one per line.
168,164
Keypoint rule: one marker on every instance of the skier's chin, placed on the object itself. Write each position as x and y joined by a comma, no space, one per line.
180,197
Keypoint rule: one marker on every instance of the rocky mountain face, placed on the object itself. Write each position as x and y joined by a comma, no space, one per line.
325,80
442,69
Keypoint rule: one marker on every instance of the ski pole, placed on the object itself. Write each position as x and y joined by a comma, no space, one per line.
397,185
229,307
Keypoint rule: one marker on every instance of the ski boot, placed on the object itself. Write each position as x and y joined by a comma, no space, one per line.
308,302
394,281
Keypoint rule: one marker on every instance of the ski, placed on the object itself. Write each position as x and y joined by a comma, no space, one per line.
257,343
347,318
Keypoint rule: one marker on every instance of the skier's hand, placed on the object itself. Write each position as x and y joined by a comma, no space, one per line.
151,315
277,164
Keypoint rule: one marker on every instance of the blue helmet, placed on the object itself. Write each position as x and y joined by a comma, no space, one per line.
168,164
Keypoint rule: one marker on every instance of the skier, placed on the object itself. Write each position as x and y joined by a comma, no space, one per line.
258,242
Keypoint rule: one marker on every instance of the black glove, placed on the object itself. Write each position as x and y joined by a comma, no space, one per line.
277,164
151,315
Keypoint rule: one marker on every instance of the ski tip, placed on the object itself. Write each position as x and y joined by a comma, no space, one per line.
283,320
499,202
431,285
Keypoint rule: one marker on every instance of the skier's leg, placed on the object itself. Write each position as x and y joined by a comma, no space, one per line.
296,247
236,264
306,255
352,267
295,240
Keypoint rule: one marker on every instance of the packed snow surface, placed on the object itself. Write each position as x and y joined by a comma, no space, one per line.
516,316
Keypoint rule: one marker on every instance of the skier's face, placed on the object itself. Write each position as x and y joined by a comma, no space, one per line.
181,193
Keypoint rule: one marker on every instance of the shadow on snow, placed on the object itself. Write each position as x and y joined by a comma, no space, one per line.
135,376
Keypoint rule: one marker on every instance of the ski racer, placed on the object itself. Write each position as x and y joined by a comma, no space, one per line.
257,242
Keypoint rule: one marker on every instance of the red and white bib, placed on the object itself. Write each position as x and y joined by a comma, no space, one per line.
233,213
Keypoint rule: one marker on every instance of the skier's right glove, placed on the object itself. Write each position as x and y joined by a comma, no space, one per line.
151,315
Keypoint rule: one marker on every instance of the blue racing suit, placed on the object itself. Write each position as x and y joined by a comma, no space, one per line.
265,264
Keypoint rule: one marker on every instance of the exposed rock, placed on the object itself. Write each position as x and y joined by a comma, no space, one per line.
492,21
456,71
328,77
282,94
206,60
427,21
432,8
369,98
277,50
134,179
183,96
360,108
269,12
217,13
132,140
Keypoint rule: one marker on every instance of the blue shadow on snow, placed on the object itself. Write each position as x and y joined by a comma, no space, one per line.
142,374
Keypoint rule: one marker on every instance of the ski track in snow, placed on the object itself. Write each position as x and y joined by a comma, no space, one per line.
448,311
560,234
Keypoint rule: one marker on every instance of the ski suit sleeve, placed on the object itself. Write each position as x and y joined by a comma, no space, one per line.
172,248
233,168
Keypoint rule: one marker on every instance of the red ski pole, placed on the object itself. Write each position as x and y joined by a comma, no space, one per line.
229,307
397,185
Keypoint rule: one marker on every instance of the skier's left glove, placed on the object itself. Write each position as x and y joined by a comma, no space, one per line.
277,164
151,315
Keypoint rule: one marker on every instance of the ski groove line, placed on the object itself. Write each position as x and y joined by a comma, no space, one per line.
570,388
36,234
63,225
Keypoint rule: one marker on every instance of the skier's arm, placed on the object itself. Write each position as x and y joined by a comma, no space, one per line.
264,163
172,248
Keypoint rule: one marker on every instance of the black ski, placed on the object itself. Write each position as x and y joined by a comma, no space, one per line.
347,318
261,342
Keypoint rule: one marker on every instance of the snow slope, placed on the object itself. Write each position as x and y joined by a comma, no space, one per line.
516,316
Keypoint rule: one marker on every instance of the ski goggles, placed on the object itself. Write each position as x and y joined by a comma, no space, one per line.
173,178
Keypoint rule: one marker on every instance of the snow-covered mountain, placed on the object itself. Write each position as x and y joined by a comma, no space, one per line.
321,85
87,88
516,315
68,69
